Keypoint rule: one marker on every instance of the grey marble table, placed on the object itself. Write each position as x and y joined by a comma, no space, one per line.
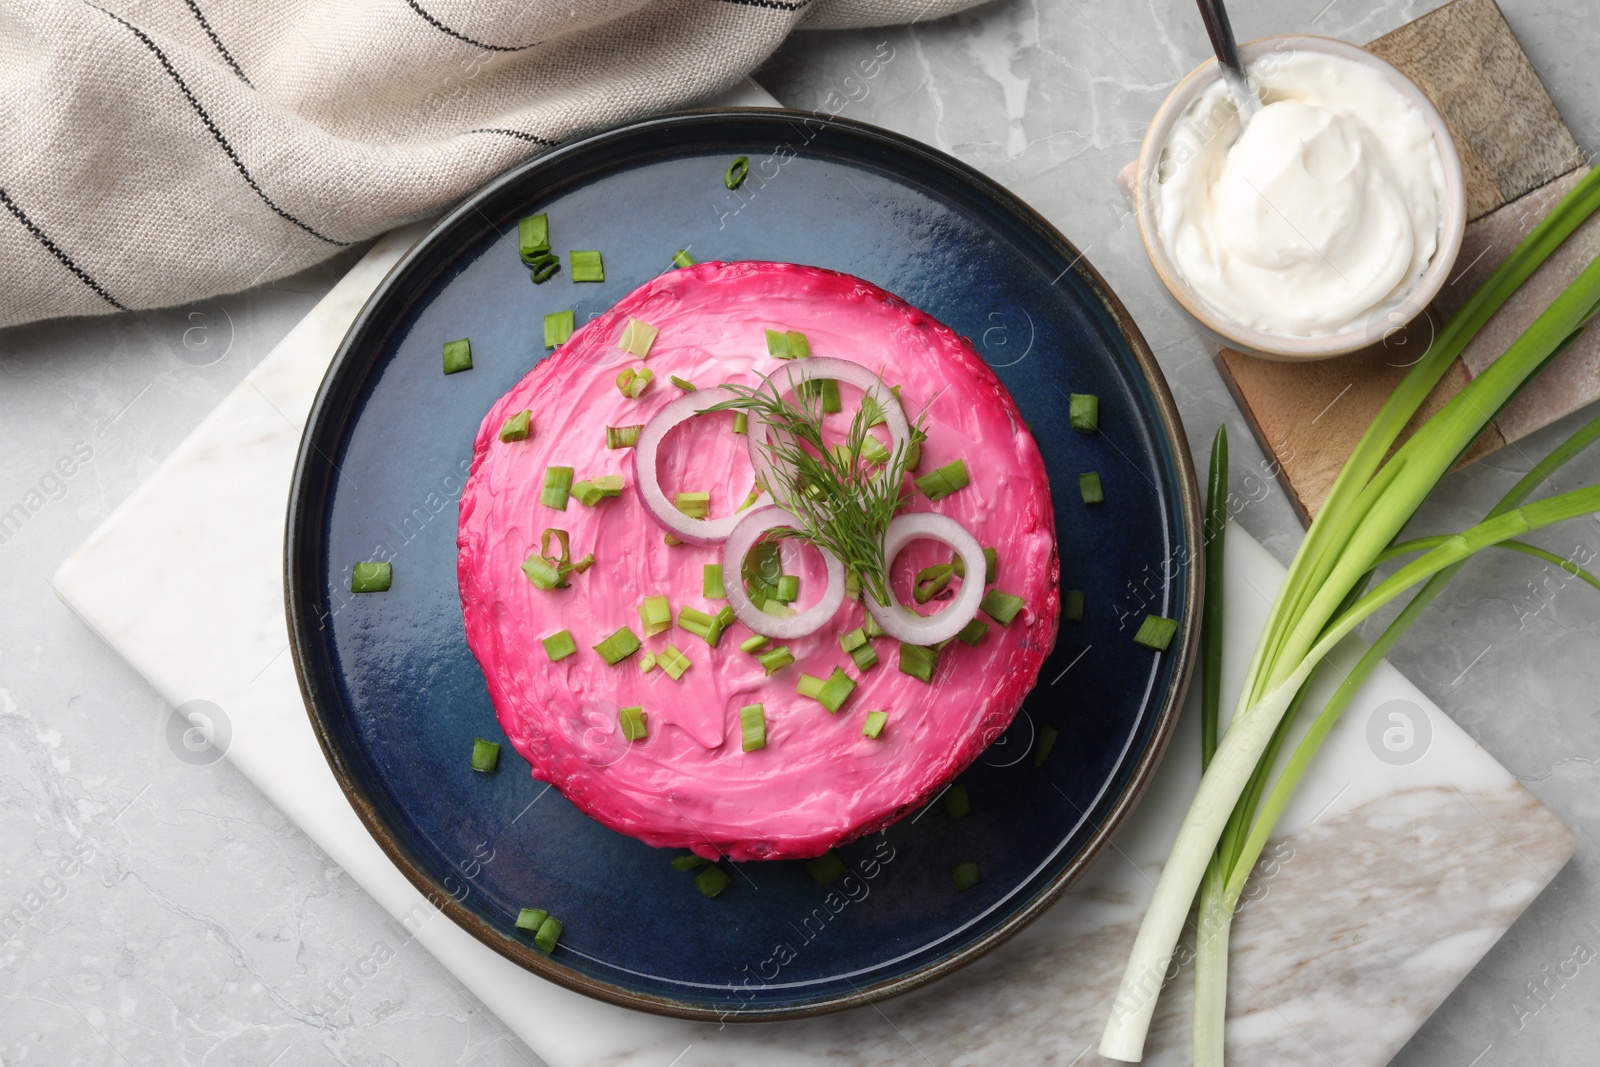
194,924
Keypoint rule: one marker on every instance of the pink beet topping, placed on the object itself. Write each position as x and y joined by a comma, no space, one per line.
819,782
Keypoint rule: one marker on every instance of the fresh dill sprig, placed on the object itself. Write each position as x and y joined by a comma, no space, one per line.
844,504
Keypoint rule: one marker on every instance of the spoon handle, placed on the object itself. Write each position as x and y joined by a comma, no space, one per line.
1220,30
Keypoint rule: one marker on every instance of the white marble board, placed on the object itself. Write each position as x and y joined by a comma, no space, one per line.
1406,854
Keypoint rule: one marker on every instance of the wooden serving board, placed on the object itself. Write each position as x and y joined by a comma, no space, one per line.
1518,159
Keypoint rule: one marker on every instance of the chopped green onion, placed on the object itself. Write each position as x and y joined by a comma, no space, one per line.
557,487
683,383
734,176
560,537
594,490
543,574
1041,749
938,484
776,607
622,436
689,862
809,686
634,723
544,267
787,345
695,621
931,581
824,389
826,869
965,875
1001,607
874,451
1156,632
1083,411
618,647
764,561
741,424
719,624
775,659
371,577
694,505
701,624
991,565
632,382
583,564
681,258
1090,489
865,656
874,414
1072,605
956,801
655,615
829,390
637,335
711,583
973,632
753,727
874,724
558,327
485,756
517,427
549,933
918,661
755,644
871,628
457,356
586,267
647,663
836,690
788,588
533,236
670,540
530,919
712,881
559,645
853,640
673,662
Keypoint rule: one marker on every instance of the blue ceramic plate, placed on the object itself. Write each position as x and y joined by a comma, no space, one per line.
397,698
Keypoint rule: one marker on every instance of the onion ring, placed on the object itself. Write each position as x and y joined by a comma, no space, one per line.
905,625
783,627
811,369
647,477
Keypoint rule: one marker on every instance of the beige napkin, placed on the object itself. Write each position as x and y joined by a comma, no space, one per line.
155,153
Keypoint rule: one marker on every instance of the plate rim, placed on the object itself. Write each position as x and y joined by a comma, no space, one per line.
303,521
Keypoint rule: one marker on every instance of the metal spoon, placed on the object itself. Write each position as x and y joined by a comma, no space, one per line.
1227,49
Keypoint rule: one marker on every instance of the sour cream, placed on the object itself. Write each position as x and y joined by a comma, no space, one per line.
1324,208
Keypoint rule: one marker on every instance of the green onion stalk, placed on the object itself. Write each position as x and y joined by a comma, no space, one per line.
1227,876
1324,598
1214,964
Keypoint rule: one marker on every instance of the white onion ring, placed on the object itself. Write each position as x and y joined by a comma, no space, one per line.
647,476
901,623
783,627
811,369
